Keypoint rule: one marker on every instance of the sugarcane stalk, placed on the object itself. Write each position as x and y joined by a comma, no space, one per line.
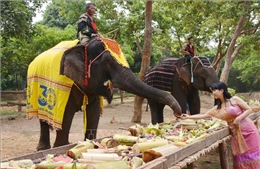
179,143
141,147
136,130
112,143
100,156
58,164
194,139
76,151
136,162
111,164
157,152
25,163
125,139
104,141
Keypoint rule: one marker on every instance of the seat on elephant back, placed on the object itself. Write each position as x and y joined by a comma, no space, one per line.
113,47
204,61
161,75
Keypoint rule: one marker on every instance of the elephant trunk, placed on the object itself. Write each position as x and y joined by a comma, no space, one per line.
128,82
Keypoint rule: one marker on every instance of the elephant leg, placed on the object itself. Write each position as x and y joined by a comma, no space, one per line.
44,142
93,115
194,102
156,111
62,136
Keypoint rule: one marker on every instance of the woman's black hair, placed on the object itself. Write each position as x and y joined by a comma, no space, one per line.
226,94
190,38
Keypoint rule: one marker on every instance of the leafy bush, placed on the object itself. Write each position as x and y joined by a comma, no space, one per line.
232,91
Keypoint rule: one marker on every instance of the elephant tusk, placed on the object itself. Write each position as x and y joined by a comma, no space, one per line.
107,83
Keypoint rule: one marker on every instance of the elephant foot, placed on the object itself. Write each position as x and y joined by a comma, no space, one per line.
60,144
42,146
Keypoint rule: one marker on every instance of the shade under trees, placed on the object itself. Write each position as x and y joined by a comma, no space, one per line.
213,24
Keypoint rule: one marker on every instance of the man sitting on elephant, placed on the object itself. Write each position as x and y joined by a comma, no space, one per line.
188,49
87,27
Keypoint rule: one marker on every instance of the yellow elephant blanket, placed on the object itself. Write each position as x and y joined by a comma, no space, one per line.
115,50
47,90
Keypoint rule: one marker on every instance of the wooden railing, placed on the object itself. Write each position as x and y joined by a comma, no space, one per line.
17,96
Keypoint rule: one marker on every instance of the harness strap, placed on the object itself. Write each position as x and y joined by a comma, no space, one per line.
91,61
191,71
84,108
88,65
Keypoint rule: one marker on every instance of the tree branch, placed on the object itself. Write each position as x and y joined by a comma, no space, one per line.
236,51
138,46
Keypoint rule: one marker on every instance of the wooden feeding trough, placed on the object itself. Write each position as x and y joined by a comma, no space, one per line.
175,159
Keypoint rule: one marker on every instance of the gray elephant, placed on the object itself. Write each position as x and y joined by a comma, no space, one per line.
90,67
183,78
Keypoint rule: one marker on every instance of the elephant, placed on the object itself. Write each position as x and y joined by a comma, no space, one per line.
90,67
183,78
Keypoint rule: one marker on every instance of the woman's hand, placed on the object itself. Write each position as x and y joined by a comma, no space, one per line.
237,120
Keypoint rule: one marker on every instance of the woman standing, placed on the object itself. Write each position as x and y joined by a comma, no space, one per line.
245,139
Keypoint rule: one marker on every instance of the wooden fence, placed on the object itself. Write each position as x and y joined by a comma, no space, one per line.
16,96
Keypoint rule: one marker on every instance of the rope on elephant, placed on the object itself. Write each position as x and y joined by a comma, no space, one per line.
204,61
161,75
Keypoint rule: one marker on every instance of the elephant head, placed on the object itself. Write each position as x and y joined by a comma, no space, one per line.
197,72
94,63
194,74
183,77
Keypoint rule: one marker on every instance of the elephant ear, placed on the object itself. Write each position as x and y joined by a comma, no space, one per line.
185,74
72,63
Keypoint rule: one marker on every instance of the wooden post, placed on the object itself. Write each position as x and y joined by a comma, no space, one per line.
17,104
19,101
19,108
122,96
223,153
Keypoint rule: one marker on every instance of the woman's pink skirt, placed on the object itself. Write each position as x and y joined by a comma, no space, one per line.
247,161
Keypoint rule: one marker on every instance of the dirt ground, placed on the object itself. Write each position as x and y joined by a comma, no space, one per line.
19,136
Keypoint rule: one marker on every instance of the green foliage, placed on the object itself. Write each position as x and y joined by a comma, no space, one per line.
242,97
248,65
128,54
60,13
17,54
232,91
16,18
209,22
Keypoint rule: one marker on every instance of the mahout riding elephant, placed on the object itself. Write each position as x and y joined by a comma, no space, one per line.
88,68
183,78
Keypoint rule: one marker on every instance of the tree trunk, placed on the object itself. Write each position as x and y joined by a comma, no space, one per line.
146,55
232,51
